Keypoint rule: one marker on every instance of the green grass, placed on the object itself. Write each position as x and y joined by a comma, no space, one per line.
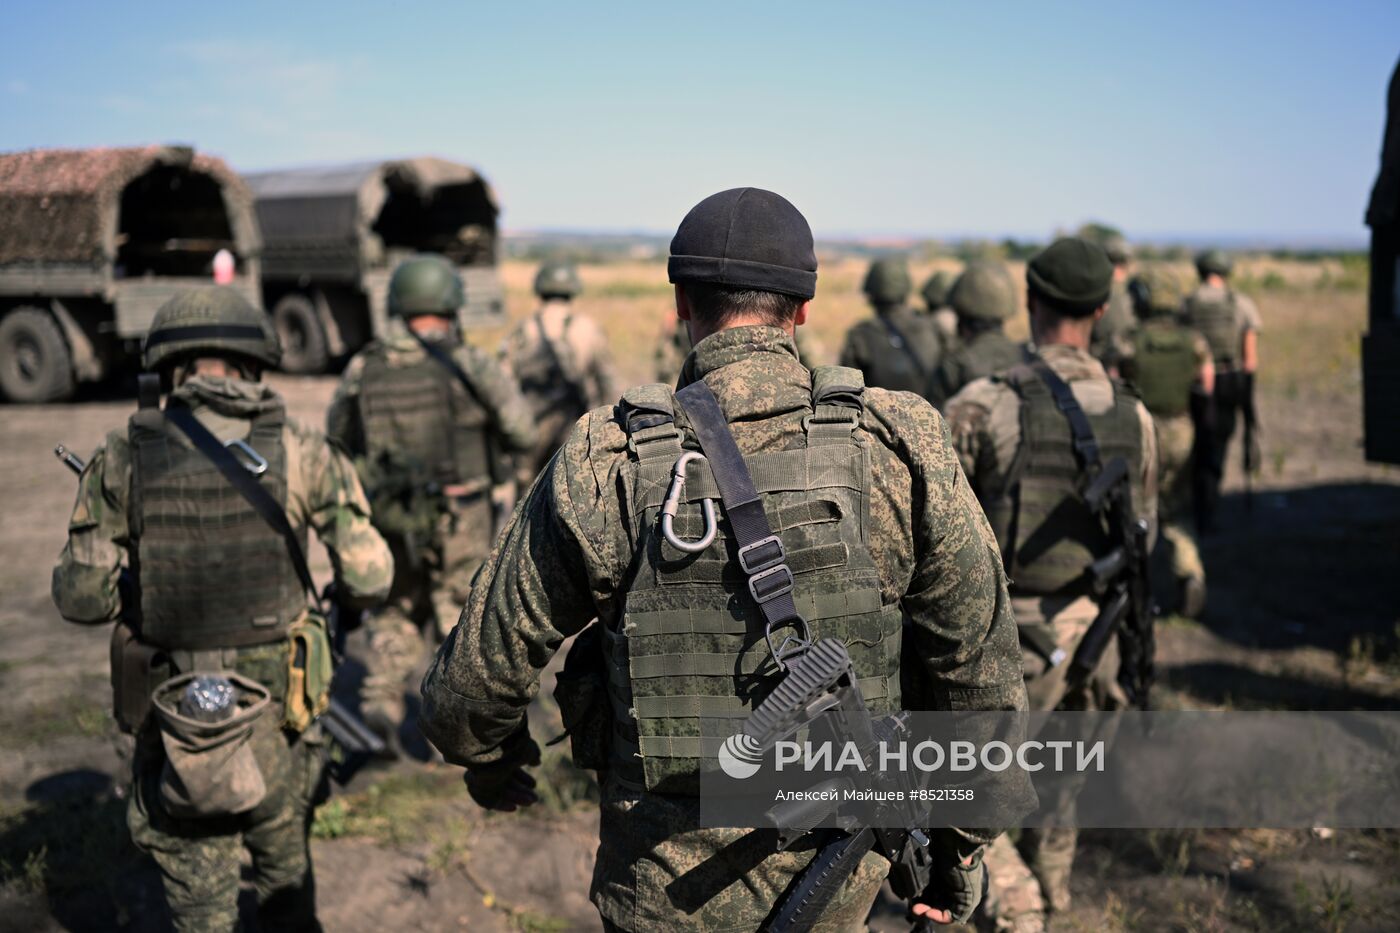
71,716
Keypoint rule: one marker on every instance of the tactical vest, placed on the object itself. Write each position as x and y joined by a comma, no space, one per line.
691,642
1048,536
1218,319
902,354
988,353
421,411
1163,367
545,380
210,571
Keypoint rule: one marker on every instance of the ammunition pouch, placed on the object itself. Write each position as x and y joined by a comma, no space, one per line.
217,769
137,668
581,690
310,667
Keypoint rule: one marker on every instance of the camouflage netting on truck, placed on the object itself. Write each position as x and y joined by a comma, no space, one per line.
65,205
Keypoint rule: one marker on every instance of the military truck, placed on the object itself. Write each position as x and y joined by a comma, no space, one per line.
93,241
332,236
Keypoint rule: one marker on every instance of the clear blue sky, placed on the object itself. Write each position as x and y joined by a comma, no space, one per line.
874,118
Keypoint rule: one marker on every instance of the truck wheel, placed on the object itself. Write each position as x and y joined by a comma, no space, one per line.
303,338
35,363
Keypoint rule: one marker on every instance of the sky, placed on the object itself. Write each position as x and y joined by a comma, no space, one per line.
1229,119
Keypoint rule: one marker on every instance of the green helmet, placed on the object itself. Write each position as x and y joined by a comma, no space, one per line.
984,292
557,280
1214,262
937,289
887,282
425,284
1119,252
212,320
1156,291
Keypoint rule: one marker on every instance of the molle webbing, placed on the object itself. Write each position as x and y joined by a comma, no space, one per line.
691,642
1218,319
1047,534
1164,367
212,572
422,412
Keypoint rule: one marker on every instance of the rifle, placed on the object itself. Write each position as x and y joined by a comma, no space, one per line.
1251,454
354,738
1120,579
821,680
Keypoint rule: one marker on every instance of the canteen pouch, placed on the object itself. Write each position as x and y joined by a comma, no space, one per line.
213,769
136,670
581,690
309,672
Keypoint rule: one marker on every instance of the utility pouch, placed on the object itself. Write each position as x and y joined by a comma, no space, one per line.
581,690
211,768
309,672
136,670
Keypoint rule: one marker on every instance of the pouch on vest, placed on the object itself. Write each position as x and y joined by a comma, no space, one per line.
136,670
581,690
211,769
309,671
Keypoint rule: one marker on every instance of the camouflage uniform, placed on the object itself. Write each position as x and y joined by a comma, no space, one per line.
560,358
567,556
978,356
433,576
200,860
983,298
1113,332
898,349
985,421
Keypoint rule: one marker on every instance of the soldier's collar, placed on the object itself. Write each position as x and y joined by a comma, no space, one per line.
732,345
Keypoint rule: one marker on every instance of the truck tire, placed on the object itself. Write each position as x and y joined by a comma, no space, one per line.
35,362
304,347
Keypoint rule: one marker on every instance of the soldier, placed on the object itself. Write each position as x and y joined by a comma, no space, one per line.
1170,367
213,587
432,423
560,358
1230,323
1015,438
899,348
936,293
1113,331
585,544
983,298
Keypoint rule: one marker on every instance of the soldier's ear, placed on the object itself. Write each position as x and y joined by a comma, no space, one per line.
682,304
800,317
1099,312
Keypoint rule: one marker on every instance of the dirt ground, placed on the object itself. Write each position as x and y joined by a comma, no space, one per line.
1304,613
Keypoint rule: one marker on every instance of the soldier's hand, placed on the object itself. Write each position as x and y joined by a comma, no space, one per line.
505,785
952,893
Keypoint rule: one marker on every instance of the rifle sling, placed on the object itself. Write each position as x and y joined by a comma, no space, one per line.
743,506
900,341
1086,446
247,485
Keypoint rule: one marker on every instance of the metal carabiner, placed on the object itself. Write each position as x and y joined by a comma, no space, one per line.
254,463
672,504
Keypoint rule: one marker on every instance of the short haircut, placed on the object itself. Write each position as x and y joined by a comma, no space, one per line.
715,306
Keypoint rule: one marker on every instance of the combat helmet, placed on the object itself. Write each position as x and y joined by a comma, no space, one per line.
557,280
887,282
1214,262
212,320
1156,291
937,289
1120,253
984,292
425,284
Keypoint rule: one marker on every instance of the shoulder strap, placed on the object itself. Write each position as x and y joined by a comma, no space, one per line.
1086,446
556,359
901,342
648,416
838,399
247,485
761,553
445,360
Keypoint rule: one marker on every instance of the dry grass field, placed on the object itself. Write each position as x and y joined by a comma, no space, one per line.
1305,604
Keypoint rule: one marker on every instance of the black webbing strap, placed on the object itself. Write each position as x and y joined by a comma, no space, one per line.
1086,447
444,359
148,391
899,341
761,553
206,332
247,485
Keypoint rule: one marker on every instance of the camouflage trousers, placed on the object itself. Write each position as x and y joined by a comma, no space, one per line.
200,860
1030,878
1176,437
431,585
